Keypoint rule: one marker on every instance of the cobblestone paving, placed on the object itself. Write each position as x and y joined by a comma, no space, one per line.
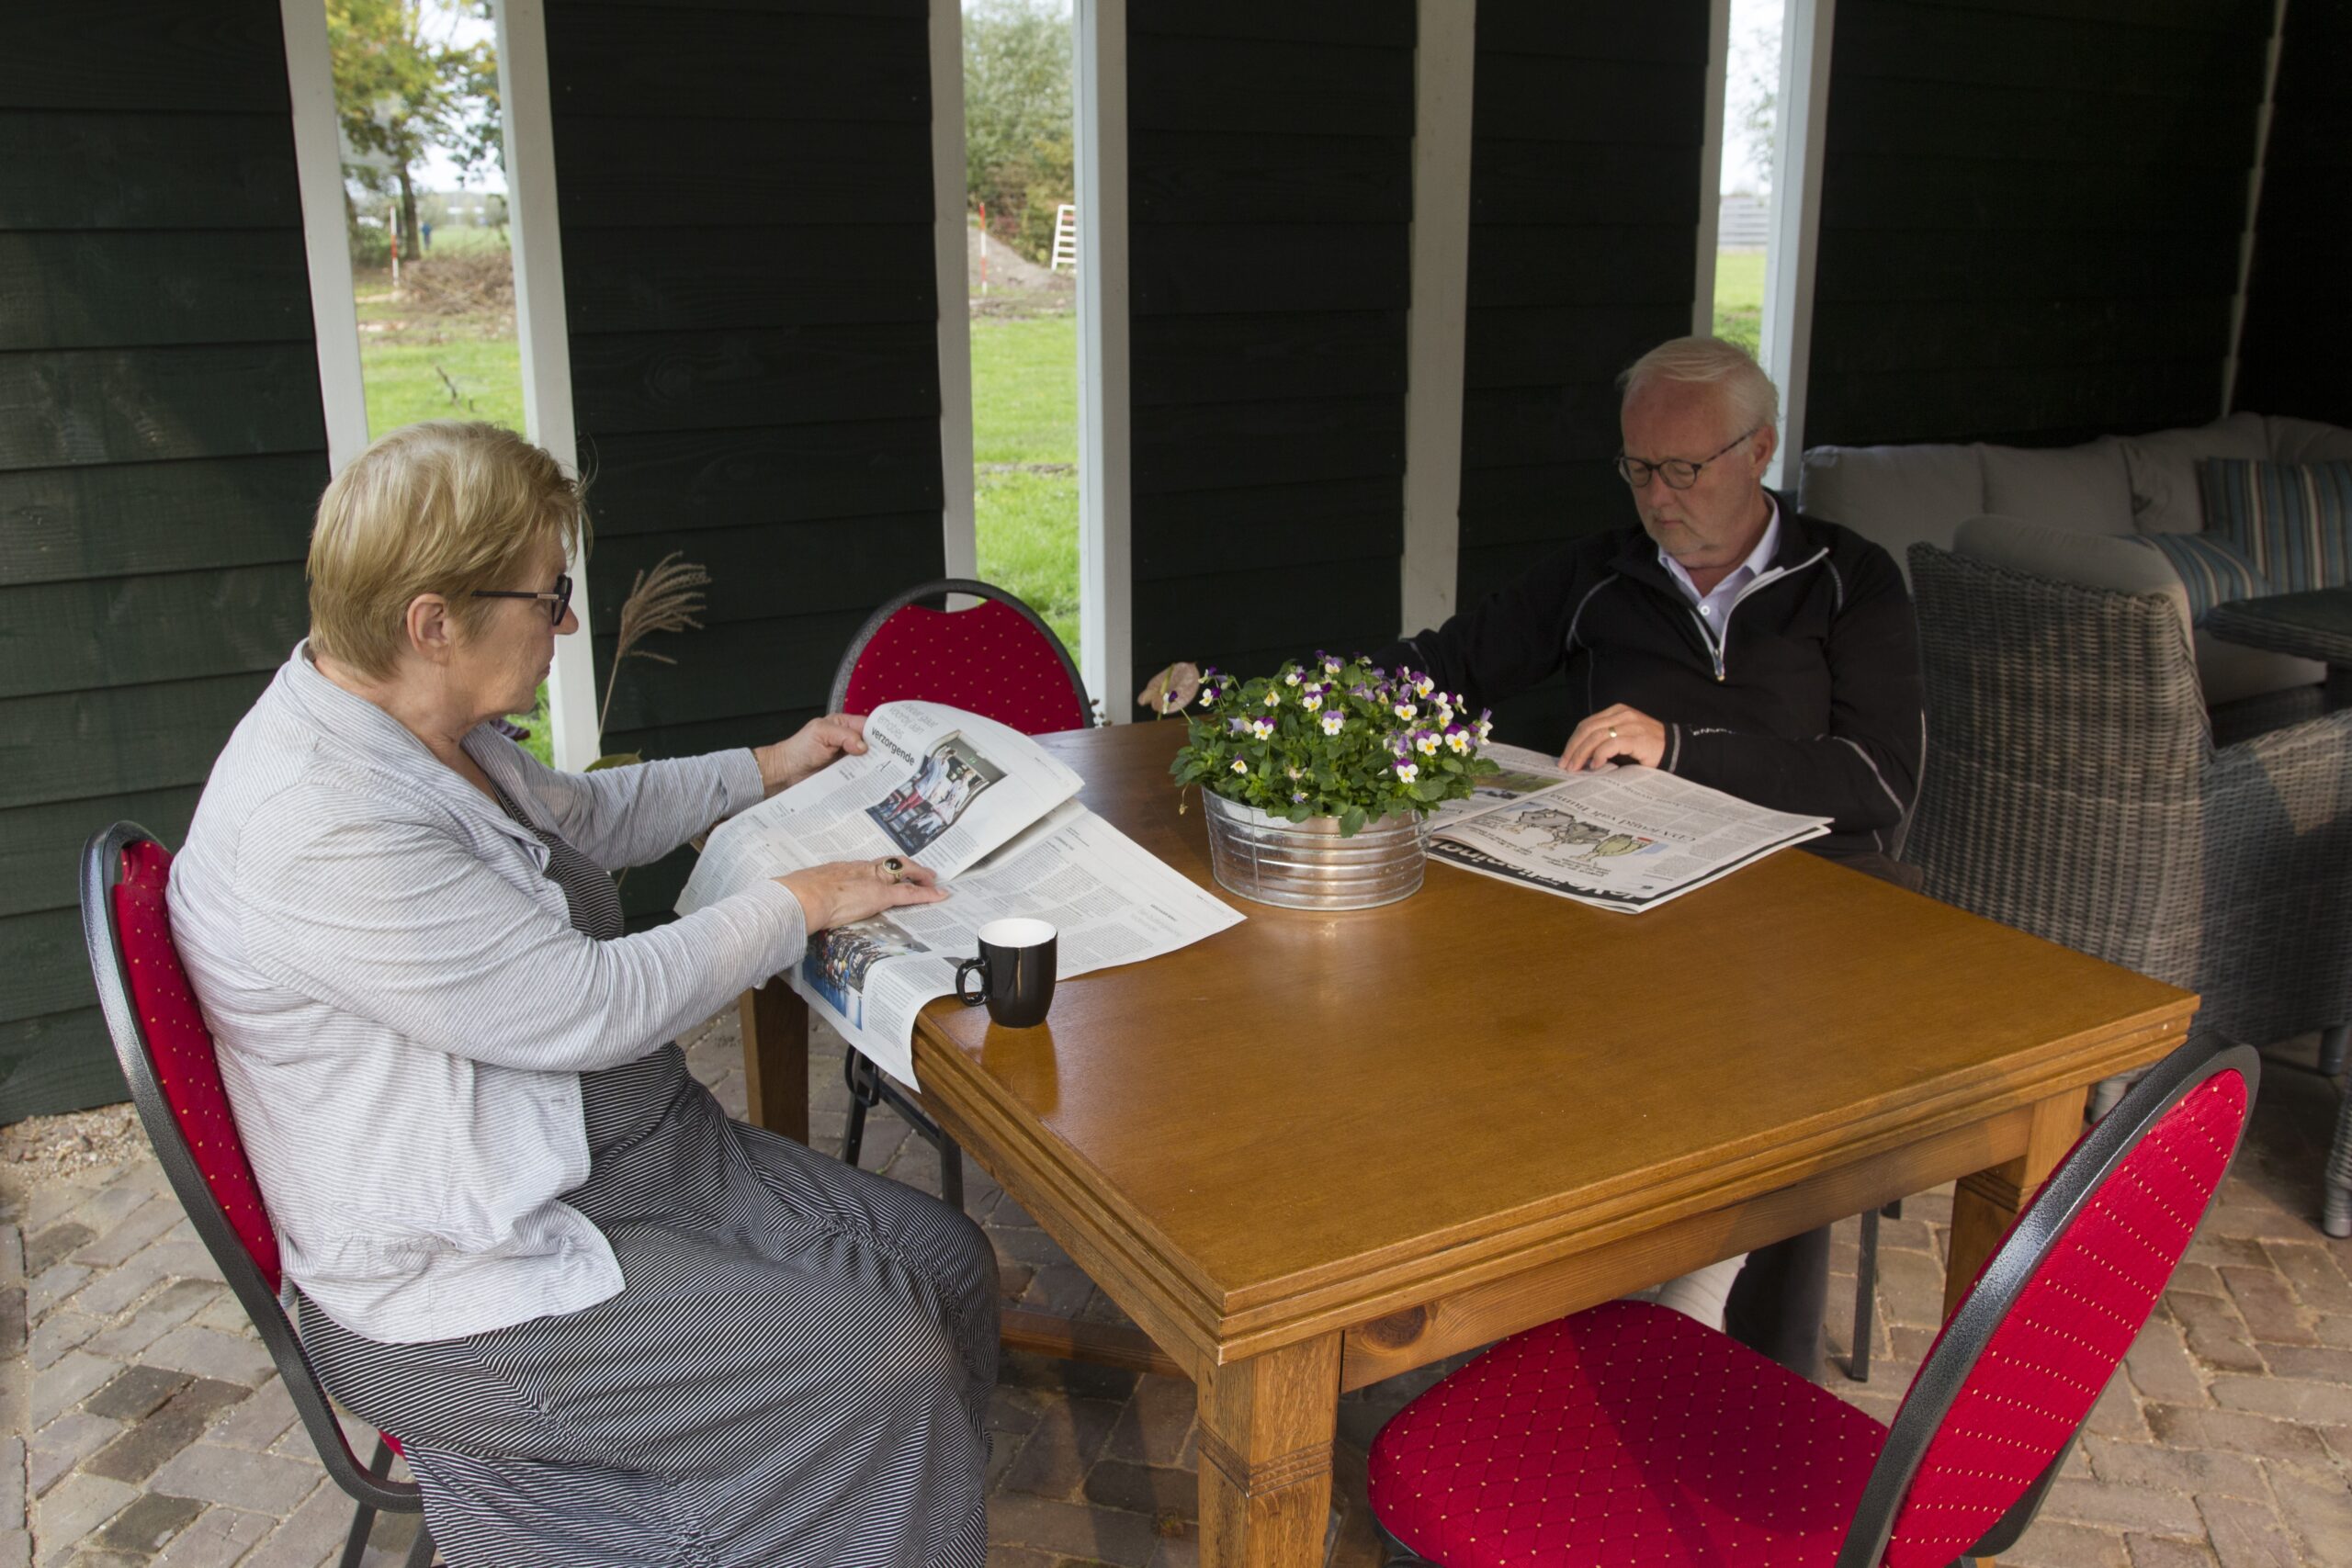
140,1421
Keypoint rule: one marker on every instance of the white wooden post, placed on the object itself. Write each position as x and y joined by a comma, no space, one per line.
525,98
1105,426
318,170
1711,169
1797,218
1438,315
949,228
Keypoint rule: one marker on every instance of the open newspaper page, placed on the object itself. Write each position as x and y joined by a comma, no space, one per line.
1109,900
1623,839
936,784
1523,773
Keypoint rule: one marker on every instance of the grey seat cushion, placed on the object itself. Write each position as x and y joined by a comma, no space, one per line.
1894,496
2163,468
2084,490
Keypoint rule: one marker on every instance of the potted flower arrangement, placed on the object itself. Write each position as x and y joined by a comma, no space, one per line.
1318,778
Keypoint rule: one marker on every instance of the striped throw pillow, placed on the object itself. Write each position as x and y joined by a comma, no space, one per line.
2292,520
2214,570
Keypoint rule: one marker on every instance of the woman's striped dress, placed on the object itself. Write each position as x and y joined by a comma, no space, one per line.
797,1373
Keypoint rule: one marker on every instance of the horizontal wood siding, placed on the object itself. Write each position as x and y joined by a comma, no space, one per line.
2298,321
1270,188
2030,216
1583,210
162,448
745,193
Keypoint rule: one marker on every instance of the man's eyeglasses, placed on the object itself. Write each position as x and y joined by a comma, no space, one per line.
558,601
1679,473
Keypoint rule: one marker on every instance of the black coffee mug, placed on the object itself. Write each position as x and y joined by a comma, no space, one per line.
1016,972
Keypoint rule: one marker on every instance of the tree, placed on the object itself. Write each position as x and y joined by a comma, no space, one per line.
399,93
1017,126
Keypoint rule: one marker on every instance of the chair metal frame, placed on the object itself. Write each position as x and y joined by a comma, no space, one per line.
367,1484
2021,1255
868,1086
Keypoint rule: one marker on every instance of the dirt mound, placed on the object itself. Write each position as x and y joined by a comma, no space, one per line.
1015,285
470,283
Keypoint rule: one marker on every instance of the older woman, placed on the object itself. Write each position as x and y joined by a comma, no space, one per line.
610,1326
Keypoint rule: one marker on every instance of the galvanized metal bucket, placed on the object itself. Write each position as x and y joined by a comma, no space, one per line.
1307,865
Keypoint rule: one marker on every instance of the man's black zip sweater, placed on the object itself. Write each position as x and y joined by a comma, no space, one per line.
1811,704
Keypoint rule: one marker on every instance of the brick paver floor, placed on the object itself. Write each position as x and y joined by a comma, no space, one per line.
143,1422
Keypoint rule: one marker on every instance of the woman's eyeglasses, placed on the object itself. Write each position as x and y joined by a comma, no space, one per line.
558,603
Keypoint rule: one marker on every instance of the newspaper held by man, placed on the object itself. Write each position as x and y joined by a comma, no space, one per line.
1624,838
988,809
935,785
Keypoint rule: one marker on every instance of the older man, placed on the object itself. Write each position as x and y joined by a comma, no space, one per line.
1727,640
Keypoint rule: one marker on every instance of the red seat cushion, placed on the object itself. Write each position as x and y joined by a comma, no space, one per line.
1625,1434
181,1048
2059,1344
987,659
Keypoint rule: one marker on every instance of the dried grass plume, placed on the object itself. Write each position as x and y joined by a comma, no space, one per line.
666,599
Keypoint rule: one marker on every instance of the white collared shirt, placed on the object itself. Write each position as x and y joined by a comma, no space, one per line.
403,1006
1715,609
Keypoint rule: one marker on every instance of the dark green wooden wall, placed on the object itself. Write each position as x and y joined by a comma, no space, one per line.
746,210
161,448
1584,217
2298,343
1270,189
2032,214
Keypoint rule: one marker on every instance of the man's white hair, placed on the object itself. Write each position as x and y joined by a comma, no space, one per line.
1748,393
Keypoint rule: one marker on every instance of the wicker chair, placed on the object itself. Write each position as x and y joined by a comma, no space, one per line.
2073,789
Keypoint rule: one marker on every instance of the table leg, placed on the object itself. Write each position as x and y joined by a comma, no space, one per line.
1266,1428
1983,1205
775,1059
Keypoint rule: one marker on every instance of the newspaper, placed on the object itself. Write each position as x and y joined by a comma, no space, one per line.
988,809
1623,839
1523,773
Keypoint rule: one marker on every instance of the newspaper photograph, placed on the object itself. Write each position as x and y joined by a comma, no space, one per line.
1523,773
1623,839
936,784
1110,901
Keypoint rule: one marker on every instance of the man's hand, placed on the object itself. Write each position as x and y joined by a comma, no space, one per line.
1615,734
845,891
1171,691
821,740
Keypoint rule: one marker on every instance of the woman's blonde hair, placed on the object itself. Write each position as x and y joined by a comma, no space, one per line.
445,507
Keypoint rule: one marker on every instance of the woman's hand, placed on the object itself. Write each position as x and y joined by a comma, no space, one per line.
1171,691
848,890
821,740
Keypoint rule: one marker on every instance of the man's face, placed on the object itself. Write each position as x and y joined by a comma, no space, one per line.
1716,523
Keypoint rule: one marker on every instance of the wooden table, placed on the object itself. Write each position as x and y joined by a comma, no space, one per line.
1317,1150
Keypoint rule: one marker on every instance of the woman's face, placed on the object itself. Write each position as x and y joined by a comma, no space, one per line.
500,666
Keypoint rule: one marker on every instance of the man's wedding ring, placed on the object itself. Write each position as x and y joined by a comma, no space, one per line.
890,869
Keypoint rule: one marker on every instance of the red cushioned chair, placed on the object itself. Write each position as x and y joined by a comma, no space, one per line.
167,1056
1630,1433
996,659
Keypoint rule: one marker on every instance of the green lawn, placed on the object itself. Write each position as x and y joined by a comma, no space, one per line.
1024,412
1739,296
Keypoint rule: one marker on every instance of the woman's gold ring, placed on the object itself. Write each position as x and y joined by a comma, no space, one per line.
1612,734
890,869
